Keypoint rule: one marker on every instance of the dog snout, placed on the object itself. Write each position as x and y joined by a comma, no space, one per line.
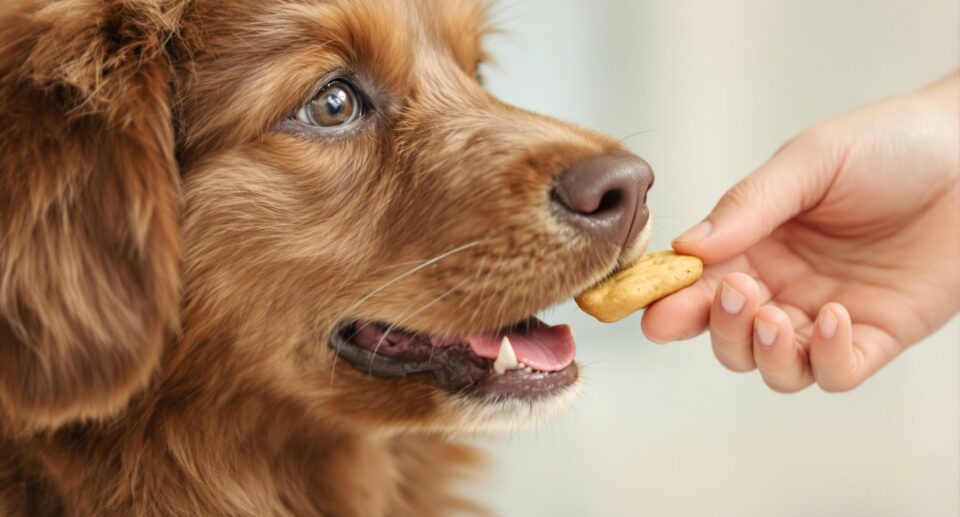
605,196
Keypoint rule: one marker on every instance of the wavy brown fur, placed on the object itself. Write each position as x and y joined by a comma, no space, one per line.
172,262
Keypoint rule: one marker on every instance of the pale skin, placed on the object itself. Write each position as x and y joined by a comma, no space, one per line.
837,254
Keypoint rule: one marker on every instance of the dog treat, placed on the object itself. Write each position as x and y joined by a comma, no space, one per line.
651,278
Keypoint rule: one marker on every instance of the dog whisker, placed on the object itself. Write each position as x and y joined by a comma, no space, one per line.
421,266
638,133
483,289
504,7
406,318
413,271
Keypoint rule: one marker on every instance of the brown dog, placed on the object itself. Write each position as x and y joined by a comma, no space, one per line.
260,257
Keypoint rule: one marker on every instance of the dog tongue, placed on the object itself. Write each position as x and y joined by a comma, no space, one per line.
541,347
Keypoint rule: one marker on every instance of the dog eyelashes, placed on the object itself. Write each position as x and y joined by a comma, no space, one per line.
337,105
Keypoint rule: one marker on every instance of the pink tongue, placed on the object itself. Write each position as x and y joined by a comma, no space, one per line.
548,349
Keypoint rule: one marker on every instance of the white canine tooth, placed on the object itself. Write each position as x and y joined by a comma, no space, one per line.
521,366
506,358
528,369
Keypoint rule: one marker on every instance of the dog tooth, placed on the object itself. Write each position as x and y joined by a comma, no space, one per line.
506,358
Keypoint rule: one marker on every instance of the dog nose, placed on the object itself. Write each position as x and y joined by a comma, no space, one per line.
605,196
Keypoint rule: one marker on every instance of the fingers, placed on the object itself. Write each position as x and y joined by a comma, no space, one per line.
731,322
843,355
831,352
835,362
685,314
790,351
792,181
746,336
780,356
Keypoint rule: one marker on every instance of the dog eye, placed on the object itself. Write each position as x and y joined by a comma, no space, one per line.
336,104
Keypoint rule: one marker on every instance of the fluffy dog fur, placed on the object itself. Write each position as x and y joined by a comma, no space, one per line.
173,261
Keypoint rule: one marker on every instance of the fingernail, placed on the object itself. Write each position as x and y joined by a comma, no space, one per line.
731,300
827,324
696,234
766,332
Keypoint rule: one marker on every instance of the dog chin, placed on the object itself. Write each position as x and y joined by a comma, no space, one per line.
492,415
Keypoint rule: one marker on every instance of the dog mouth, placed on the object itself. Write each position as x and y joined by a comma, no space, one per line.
526,360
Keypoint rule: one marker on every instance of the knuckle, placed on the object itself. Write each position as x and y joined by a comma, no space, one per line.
783,375
729,343
744,195
838,377
838,385
737,367
726,335
782,387
778,363
819,147
819,137
734,358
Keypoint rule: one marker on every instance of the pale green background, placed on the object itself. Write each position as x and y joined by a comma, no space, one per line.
717,86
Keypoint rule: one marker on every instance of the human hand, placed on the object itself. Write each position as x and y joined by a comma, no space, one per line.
837,254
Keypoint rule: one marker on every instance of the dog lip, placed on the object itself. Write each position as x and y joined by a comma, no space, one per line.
528,385
468,368
455,366
640,213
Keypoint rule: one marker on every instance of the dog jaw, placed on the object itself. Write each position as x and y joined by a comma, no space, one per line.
434,216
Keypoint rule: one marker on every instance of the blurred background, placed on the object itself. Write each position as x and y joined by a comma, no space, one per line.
706,90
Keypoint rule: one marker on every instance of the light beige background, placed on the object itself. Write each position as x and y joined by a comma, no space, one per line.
709,89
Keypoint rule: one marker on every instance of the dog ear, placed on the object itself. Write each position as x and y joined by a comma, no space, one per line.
89,189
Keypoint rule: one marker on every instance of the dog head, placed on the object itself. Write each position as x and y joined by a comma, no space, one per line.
366,231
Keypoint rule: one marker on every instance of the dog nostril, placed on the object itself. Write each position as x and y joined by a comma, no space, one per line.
609,202
603,196
589,206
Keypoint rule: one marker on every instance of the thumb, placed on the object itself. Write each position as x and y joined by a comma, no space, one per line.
793,181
